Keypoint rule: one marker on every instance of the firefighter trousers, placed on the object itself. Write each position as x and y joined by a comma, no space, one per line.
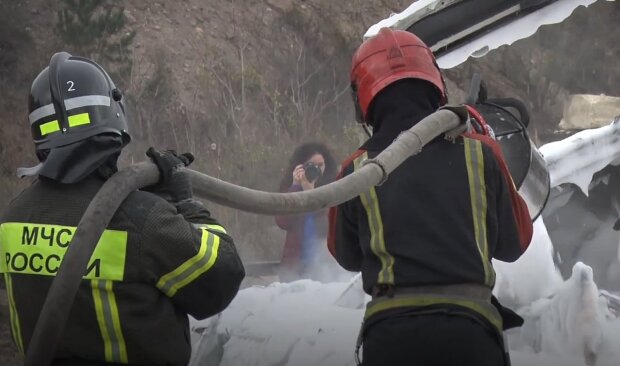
431,340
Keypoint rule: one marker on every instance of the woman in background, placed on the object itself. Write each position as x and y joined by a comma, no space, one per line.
311,165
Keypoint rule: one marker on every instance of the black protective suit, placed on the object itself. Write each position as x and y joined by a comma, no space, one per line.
424,240
155,263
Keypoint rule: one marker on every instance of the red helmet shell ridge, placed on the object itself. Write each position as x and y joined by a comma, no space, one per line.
389,56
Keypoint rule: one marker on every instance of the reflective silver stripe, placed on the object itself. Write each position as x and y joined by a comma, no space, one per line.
37,114
86,101
73,103
474,159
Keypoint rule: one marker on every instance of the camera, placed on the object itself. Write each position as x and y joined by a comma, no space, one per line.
312,171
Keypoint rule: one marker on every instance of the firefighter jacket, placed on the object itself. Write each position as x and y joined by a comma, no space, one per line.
440,217
154,265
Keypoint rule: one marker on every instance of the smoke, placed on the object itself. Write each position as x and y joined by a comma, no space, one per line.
323,267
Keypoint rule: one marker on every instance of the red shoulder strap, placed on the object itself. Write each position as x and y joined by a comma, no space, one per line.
333,211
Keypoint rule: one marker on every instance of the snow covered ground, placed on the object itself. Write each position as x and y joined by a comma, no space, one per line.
310,323
568,323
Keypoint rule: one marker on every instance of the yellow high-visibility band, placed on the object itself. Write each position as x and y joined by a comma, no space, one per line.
79,119
106,309
49,127
38,249
13,315
485,309
370,202
474,160
212,227
187,272
218,228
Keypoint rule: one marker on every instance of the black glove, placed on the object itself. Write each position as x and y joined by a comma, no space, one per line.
172,180
510,318
617,225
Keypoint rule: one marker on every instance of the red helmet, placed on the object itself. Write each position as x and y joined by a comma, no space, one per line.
387,57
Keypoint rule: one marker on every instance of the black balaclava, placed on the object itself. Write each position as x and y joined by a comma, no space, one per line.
72,163
399,107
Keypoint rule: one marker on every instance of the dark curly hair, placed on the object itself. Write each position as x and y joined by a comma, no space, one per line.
302,154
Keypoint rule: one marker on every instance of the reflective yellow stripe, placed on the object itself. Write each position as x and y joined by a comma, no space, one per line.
485,309
49,127
39,249
173,281
108,318
474,160
212,227
375,223
79,119
216,228
14,316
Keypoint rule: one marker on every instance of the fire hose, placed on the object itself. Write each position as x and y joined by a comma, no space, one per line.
57,305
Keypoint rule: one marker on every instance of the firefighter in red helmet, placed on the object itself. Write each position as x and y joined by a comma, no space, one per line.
424,239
